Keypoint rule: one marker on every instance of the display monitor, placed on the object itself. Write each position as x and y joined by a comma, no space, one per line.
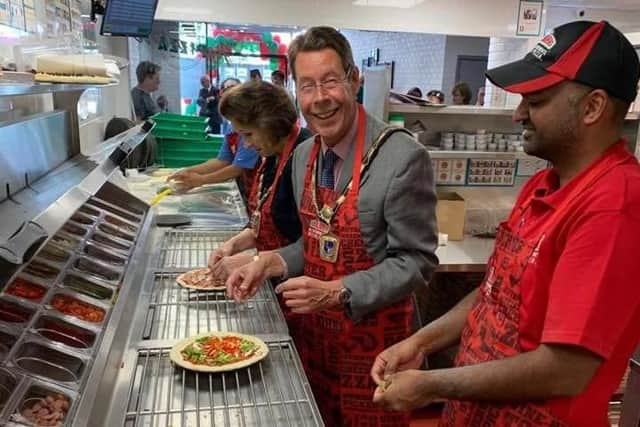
132,18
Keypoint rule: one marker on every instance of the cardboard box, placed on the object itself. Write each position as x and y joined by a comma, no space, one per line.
450,212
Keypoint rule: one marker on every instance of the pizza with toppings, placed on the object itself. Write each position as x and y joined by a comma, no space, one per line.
218,352
201,279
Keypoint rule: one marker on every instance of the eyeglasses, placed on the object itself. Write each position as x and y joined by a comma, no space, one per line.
329,84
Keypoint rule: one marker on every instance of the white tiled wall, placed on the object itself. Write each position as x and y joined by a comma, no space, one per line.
502,51
419,57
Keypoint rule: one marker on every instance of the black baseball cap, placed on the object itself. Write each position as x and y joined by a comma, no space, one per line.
592,53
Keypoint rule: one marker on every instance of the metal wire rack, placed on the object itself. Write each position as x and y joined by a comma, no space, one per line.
190,249
270,393
175,312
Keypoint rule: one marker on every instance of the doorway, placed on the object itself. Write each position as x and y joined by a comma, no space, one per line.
471,69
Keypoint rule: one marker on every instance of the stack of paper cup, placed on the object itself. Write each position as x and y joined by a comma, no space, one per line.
481,140
460,141
470,142
501,145
447,141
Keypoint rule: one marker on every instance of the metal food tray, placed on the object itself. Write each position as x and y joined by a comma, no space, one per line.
39,351
175,312
190,248
41,358
273,392
24,389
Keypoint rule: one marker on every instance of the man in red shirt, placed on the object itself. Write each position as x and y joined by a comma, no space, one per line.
546,338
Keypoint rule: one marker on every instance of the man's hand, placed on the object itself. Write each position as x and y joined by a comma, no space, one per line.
186,179
220,252
406,354
244,282
308,295
226,265
406,391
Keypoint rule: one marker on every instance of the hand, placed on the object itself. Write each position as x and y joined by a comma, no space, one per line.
244,282
308,295
406,391
406,354
224,266
187,180
226,249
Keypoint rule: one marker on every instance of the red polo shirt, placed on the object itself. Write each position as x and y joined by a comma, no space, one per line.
585,288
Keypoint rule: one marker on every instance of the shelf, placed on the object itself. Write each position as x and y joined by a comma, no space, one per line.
17,89
468,109
463,154
450,109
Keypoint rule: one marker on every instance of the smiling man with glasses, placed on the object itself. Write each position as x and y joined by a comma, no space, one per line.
366,202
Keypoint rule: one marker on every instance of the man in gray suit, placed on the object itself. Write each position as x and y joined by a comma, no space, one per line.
366,201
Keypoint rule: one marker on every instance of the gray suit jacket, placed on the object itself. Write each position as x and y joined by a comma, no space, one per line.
397,203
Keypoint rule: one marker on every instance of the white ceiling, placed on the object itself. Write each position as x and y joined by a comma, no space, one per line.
597,4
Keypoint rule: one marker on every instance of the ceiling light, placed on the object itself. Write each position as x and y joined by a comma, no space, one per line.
401,4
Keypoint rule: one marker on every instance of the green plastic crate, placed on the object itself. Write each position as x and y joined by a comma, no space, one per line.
170,121
172,117
178,133
180,152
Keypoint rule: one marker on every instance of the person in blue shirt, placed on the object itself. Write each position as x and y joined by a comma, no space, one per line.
235,160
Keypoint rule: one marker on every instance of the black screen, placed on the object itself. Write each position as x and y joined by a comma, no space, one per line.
128,18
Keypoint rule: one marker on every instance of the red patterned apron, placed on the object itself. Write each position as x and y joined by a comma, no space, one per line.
493,327
337,353
269,238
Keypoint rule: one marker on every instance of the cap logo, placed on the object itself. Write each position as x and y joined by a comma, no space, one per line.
544,46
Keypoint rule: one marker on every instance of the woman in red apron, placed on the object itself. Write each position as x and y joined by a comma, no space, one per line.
267,120
337,353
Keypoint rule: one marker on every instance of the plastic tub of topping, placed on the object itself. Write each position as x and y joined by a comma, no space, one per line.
74,229
116,232
87,287
40,269
82,219
11,312
45,361
54,253
88,210
41,406
25,289
8,383
125,226
71,306
97,270
133,214
64,241
111,243
58,330
107,257
6,342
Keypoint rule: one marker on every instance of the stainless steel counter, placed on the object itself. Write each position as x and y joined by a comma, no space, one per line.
468,255
140,386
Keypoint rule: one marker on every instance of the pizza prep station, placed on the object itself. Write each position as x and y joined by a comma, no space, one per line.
89,305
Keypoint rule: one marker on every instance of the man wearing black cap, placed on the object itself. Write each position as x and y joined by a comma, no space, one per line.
546,338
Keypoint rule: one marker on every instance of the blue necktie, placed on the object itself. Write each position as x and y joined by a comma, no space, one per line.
326,177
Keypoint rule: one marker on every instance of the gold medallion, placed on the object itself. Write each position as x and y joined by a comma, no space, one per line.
254,222
329,247
326,213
